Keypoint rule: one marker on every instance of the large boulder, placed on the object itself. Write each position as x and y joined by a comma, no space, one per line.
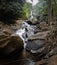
36,46
37,42
9,42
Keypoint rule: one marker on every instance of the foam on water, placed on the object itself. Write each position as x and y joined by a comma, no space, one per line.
22,32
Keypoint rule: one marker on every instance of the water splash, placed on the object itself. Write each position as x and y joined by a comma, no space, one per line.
25,32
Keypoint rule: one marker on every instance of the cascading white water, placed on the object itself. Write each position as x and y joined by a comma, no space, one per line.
22,32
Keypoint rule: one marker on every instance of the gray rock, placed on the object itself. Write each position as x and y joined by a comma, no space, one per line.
35,46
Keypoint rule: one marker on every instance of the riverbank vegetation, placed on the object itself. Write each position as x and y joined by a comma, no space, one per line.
13,9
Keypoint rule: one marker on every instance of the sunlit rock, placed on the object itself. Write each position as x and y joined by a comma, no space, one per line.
9,42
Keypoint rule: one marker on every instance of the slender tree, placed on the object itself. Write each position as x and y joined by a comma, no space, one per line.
49,11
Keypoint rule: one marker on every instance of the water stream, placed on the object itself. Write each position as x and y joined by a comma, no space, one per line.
25,32
23,57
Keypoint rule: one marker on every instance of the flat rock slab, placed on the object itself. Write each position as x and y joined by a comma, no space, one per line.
36,43
39,35
35,46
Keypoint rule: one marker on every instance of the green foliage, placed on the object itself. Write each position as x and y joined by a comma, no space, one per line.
25,11
41,8
11,10
29,6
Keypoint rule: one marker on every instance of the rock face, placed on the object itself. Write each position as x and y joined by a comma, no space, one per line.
51,56
53,60
37,43
9,42
50,61
35,46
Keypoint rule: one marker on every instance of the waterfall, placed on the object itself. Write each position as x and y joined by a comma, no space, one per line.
25,31
21,32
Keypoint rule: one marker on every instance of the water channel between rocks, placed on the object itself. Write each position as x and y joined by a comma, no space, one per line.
20,58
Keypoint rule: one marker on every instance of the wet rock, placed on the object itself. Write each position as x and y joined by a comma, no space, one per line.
9,43
35,46
22,62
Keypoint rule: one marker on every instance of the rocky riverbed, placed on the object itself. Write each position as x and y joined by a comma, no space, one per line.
38,50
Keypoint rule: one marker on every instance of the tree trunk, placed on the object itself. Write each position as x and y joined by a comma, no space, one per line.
50,16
